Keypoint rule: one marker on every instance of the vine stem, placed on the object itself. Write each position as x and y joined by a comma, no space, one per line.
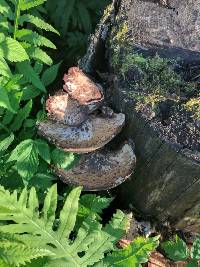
17,15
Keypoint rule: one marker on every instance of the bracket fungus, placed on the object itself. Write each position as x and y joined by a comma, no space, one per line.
92,134
66,110
75,124
101,170
81,87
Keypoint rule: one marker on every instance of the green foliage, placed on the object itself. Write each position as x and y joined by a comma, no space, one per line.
177,250
75,20
42,231
64,160
26,155
21,81
14,253
133,255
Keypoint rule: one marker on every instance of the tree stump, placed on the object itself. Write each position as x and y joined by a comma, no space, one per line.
166,181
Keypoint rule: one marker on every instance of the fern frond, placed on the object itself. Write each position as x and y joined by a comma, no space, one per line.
27,4
30,75
39,54
34,38
15,254
12,50
39,23
5,9
5,25
42,230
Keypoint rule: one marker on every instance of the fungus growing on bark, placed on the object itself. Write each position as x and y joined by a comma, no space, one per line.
81,87
73,126
101,170
92,134
64,109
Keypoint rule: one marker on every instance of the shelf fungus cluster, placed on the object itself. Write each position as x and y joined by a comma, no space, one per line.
78,121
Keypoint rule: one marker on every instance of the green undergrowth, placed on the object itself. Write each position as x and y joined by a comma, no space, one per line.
152,79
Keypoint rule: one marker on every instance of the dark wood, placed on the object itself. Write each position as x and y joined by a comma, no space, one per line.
166,182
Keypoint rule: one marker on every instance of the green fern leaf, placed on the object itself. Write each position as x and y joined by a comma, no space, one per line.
41,24
12,50
34,38
134,255
43,231
15,254
91,205
4,68
39,54
22,114
176,249
5,9
30,75
27,4
84,17
50,74
63,21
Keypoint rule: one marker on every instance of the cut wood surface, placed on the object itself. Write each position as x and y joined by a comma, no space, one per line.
89,136
101,170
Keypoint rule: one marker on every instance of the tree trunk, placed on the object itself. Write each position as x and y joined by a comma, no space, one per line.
166,181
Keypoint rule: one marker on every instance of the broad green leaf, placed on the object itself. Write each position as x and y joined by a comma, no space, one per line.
30,92
43,150
12,50
5,143
64,160
26,156
41,24
133,255
39,54
28,72
176,249
4,68
38,67
22,114
4,100
49,75
14,102
195,251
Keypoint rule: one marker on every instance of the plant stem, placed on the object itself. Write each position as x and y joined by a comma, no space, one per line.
17,15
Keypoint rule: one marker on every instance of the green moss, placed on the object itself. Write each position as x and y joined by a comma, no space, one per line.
193,105
155,81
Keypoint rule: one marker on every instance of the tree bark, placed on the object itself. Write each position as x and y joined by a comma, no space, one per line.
166,181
